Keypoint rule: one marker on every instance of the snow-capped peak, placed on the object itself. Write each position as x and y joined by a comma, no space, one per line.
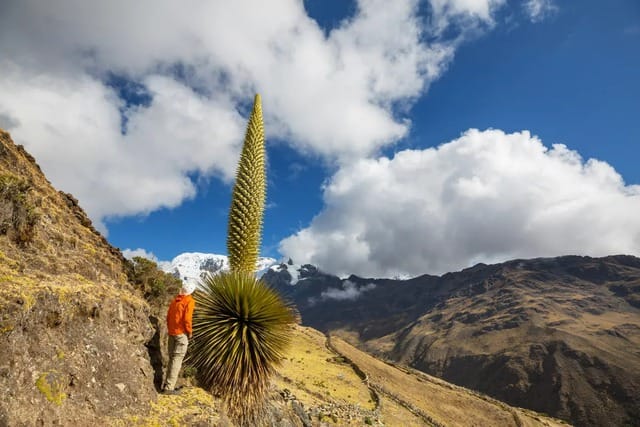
296,271
192,266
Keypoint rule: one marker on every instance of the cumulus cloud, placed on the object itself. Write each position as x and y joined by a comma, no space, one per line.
139,252
332,94
72,126
538,10
349,292
484,197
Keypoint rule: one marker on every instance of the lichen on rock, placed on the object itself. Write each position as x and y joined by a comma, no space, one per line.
52,385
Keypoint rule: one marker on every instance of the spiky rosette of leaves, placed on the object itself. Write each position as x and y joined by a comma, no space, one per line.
241,328
249,192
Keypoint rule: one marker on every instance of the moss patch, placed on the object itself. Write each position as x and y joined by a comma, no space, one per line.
6,328
51,385
192,406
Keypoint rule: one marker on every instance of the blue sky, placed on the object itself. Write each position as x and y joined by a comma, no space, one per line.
566,72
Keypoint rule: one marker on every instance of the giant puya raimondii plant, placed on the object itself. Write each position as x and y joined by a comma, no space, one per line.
241,326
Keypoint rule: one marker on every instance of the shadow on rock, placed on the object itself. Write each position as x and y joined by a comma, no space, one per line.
155,353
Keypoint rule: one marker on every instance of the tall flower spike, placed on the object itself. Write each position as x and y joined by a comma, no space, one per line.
241,327
249,193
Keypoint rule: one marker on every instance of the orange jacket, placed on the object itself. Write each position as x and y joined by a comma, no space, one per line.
180,314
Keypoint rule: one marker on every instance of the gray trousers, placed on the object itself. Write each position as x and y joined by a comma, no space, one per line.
177,349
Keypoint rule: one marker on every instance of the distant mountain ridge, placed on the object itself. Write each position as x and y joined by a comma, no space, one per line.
557,335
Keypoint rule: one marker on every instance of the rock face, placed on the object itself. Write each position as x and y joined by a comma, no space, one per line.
558,335
72,329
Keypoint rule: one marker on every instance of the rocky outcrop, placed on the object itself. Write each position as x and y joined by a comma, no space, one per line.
72,328
74,360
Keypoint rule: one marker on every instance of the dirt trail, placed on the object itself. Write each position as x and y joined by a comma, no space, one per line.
432,400
376,389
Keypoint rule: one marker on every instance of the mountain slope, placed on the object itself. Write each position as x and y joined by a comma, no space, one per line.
558,335
72,329
329,382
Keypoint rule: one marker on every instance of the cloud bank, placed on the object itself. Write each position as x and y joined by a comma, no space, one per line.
72,127
486,196
340,95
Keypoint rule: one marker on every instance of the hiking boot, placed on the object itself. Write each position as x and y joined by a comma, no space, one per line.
171,392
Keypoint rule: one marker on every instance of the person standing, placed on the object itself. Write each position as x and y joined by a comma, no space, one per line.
179,326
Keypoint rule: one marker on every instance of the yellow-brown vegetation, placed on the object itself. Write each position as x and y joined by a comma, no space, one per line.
327,381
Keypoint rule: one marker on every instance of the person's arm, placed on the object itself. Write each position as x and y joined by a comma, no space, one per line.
188,316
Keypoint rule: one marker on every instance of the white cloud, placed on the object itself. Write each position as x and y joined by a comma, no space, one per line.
350,291
469,14
485,197
539,10
139,252
330,94
72,127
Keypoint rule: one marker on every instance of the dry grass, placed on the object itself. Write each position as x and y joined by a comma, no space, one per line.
407,397
192,406
308,373
394,414
60,238
444,403
26,288
317,377
311,370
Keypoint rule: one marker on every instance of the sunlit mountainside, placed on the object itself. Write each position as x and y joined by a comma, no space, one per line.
77,340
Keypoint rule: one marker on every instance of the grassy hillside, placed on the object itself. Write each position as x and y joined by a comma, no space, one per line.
329,382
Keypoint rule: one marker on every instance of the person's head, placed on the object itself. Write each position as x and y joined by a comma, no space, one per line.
187,288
